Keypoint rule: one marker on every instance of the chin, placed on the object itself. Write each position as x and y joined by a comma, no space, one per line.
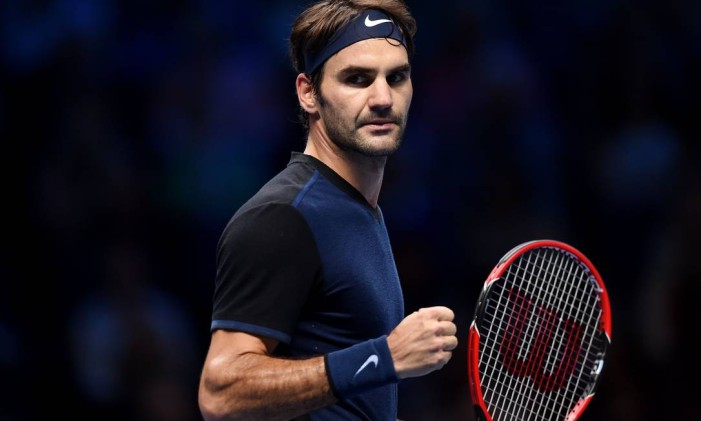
386,149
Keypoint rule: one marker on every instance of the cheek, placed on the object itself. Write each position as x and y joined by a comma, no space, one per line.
408,96
349,107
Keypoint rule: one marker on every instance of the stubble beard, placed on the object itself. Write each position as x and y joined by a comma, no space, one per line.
348,138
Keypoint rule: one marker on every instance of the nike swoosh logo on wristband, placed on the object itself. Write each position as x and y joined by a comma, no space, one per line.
371,359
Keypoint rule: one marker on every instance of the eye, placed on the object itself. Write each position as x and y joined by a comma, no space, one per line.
397,78
358,79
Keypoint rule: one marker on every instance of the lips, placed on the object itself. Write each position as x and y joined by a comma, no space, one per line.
381,124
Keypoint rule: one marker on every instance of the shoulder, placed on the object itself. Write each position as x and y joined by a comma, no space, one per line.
264,223
284,187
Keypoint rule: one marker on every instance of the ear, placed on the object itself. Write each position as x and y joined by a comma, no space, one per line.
305,93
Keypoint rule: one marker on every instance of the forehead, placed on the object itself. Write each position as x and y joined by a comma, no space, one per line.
375,53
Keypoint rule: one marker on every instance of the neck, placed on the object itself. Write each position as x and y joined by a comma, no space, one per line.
362,172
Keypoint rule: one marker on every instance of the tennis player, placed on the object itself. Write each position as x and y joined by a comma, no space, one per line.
308,315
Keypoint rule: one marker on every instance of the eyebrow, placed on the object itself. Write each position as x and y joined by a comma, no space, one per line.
404,68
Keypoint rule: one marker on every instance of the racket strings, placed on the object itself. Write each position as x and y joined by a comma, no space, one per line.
536,349
539,342
535,322
567,272
520,397
555,380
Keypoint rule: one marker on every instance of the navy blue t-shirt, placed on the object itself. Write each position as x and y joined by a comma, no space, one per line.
308,261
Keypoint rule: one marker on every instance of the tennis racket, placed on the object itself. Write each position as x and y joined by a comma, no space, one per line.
539,337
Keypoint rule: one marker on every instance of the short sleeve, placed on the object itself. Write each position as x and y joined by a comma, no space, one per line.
267,265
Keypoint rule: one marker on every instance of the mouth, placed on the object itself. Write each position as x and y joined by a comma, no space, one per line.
377,125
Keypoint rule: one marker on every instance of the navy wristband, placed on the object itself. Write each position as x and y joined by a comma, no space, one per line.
360,368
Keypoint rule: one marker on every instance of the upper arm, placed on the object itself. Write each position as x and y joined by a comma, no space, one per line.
236,343
227,346
242,380
228,351
227,354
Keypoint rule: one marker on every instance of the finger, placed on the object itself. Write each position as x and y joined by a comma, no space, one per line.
439,313
445,358
444,314
451,342
446,328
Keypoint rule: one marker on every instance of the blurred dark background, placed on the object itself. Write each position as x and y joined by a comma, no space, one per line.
134,130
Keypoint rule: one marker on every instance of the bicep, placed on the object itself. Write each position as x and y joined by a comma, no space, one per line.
228,347
229,353
242,379
230,344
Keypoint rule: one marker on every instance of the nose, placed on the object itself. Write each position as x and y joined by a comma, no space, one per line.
380,95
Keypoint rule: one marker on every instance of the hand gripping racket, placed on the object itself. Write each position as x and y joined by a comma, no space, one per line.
539,337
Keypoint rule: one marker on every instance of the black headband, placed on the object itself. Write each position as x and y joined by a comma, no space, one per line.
367,25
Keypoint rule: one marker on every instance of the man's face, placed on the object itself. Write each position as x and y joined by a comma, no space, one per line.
365,96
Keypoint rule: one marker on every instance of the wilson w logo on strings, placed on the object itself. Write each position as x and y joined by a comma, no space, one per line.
539,343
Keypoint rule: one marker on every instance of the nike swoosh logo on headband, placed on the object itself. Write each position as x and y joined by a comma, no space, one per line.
370,23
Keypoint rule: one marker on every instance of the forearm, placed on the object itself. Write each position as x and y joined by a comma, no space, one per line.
263,387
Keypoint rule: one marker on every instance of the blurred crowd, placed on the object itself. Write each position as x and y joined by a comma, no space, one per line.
141,126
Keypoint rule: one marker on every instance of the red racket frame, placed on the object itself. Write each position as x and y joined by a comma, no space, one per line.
496,273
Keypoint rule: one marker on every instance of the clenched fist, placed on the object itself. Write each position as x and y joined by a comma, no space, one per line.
423,342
